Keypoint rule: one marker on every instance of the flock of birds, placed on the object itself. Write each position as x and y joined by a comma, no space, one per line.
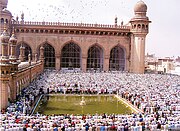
65,10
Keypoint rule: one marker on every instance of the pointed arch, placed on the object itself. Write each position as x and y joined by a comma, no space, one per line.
117,59
71,56
28,50
95,58
42,44
2,20
49,55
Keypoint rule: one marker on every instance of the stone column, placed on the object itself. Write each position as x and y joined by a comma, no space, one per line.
13,41
22,54
84,63
127,64
41,56
106,63
30,76
13,51
4,46
5,69
29,59
58,61
4,57
13,87
3,93
35,58
138,54
131,64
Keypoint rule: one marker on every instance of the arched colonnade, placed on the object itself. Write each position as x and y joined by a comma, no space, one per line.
73,57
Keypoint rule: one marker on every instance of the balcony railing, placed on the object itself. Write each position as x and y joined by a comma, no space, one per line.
30,23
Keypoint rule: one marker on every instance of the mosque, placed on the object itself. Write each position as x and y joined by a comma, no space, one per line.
27,48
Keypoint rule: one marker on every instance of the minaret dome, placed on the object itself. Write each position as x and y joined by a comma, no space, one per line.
13,39
5,36
3,3
140,7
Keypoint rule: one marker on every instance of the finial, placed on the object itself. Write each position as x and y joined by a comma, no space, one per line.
22,16
116,20
13,30
13,38
17,18
29,58
122,23
35,58
21,45
5,36
41,47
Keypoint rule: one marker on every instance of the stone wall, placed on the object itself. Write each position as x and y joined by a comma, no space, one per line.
12,84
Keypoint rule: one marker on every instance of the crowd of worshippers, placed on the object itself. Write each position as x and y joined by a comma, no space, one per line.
155,94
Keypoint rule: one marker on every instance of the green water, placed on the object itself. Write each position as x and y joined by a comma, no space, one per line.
68,104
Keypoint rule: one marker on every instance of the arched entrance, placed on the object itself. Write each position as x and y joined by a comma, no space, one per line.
2,20
117,59
71,57
49,56
28,50
95,58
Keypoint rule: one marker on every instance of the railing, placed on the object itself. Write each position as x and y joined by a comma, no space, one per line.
70,24
32,112
24,65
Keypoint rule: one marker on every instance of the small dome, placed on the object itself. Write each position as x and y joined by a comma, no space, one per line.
4,2
13,39
22,47
5,36
140,7
41,48
6,11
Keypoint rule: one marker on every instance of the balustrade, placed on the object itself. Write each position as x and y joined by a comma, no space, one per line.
70,24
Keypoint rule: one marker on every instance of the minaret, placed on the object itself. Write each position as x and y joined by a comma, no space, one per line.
139,29
22,18
22,53
4,46
14,66
29,59
115,21
17,18
5,15
5,70
13,41
41,57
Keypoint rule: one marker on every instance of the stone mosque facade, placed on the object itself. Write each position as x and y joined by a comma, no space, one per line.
27,48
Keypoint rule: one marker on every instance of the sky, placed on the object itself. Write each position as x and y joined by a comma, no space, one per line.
164,31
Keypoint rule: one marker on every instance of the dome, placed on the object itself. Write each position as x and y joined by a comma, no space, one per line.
5,37
4,2
13,39
6,11
140,7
